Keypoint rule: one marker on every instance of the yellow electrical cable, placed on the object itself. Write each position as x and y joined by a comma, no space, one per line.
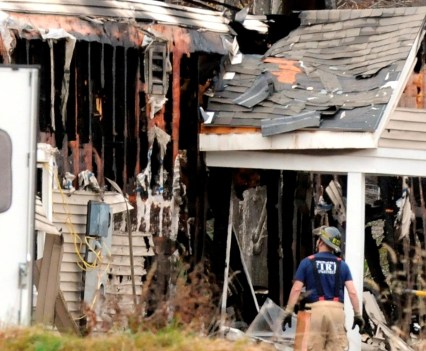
78,244
420,293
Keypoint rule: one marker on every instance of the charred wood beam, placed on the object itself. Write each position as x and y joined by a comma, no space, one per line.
97,130
390,190
52,83
289,184
177,57
132,122
280,239
219,197
126,121
193,169
421,236
142,110
272,180
88,145
73,143
82,89
303,196
90,87
200,211
119,120
107,110
113,114
137,111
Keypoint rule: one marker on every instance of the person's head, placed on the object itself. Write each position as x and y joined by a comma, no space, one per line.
329,239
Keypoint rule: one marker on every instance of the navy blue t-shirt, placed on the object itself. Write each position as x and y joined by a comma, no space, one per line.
326,264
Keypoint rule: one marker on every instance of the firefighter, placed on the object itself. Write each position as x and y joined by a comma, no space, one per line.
324,276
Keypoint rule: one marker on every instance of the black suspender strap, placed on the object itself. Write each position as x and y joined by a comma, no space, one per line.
320,290
337,282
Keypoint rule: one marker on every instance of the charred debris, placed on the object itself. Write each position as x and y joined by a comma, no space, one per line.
120,98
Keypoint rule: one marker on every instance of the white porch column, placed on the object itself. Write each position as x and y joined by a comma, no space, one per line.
354,253
47,162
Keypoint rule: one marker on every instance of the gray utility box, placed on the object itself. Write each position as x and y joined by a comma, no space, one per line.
98,218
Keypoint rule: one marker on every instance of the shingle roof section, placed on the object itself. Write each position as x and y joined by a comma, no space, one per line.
344,64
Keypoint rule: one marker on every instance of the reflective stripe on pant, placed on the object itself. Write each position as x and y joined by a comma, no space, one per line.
327,330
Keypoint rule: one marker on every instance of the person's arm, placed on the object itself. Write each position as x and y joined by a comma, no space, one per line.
294,295
296,289
353,296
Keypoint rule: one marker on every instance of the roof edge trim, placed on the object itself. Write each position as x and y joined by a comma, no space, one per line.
300,140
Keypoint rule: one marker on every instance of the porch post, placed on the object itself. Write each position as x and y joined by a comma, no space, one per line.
354,255
46,161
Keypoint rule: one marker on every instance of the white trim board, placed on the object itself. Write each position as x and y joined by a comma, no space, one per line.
298,140
381,161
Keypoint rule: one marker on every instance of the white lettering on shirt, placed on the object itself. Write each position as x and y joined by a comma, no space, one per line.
326,267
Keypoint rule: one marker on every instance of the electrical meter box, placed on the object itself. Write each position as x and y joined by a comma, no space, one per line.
98,218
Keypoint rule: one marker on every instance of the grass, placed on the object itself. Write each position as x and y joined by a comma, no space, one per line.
169,339
177,323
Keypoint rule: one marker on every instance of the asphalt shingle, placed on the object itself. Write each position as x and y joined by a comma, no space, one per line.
344,64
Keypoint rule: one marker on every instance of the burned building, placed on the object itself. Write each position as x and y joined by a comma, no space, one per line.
327,125
290,138
118,119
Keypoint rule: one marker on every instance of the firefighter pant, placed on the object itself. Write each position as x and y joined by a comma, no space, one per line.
327,330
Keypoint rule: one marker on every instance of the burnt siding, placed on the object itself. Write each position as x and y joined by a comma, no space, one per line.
113,272
102,124
406,128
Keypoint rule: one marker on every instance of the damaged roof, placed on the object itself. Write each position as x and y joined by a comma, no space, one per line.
137,10
117,23
339,71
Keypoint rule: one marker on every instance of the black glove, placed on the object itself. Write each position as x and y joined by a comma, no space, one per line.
359,321
287,319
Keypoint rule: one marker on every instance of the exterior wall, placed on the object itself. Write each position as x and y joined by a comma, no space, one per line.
113,273
406,128
94,109
69,214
